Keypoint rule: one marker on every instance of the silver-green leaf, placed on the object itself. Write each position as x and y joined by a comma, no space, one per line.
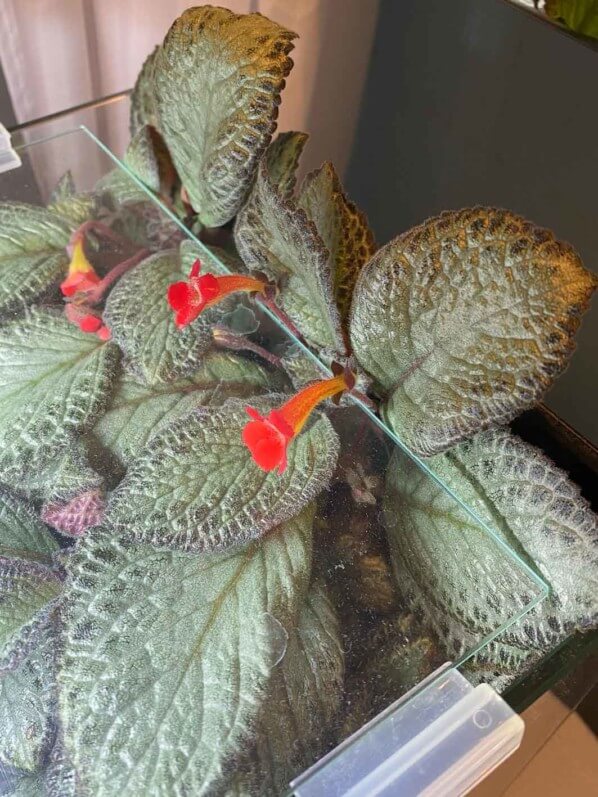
296,725
28,592
466,320
54,381
33,258
275,236
138,411
22,535
215,86
169,655
457,576
196,487
27,697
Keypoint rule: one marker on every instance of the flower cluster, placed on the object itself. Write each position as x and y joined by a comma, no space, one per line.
80,281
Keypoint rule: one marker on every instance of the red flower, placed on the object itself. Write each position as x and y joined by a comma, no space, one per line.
86,320
268,437
188,299
81,275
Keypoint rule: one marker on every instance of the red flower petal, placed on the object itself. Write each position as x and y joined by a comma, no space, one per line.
179,295
267,445
79,281
253,413
90,323
208,287
195,269
104,333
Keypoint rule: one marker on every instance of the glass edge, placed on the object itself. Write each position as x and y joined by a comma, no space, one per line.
535,578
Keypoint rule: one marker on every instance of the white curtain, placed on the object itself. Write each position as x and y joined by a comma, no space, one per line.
59,53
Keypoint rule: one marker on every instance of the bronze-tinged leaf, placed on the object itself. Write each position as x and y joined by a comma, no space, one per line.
343,228
276,237
282,158
216,84
466,320
453,573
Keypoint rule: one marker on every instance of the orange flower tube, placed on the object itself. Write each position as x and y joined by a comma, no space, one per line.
268,437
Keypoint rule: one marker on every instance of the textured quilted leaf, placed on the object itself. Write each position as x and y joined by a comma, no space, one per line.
304,696
54,475
26,229
27,593
72,207
26,703
196,486
143,110
137,411
465,321
168,657
276,237
33,258
282,159
462,582
142,323
22,535
216,84
54,381
343,228
25,278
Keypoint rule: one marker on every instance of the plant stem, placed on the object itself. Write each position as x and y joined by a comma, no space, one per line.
228,339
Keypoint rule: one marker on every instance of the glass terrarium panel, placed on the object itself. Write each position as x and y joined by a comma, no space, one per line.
327,597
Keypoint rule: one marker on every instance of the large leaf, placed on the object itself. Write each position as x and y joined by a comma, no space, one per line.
143,111
54,381
137,411
26,702
275,236
196,486
142,323
466,320
27,593
33,258
342,227
25,229
22,535
304,696
168,657
216,84
464,584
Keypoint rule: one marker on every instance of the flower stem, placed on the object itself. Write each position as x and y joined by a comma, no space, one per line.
225,337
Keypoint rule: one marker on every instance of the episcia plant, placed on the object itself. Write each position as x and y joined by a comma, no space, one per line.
213,565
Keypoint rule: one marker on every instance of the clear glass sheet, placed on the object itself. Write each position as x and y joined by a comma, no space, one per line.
369,548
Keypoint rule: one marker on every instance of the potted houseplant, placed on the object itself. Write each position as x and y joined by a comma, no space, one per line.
202,531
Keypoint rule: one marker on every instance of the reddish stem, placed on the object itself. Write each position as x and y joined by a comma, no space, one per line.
282,317
228,339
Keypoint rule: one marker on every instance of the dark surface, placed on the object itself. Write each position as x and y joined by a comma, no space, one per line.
474,102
